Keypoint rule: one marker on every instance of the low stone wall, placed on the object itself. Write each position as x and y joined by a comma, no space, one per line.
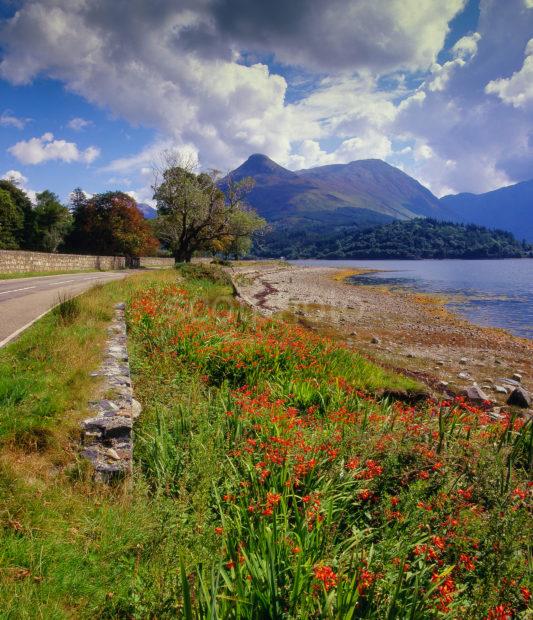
108,436
156,262
20,261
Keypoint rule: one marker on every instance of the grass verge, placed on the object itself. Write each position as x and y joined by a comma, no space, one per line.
38,274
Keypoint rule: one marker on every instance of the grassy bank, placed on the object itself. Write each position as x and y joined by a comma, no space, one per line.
269,481
38,274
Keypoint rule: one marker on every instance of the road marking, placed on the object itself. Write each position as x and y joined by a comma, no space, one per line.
19,331
14,290
61,282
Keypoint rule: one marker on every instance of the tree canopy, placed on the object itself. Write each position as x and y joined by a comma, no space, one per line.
414,239
23,234
195,214
110,223
11,222
51,222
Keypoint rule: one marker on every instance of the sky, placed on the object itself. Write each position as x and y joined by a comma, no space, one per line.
92,92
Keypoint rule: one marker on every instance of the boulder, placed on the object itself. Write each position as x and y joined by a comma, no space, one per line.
475,394
520,398
517,377
375,340
499,389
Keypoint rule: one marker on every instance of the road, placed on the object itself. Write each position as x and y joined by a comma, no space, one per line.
24,300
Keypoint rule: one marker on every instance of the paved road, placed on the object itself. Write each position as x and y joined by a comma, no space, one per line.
24,300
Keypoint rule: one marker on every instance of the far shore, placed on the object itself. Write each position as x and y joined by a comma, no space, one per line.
408,331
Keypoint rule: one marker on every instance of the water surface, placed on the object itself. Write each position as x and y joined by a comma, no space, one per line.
496,293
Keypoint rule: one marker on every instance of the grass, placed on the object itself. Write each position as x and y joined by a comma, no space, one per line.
38,274
269,482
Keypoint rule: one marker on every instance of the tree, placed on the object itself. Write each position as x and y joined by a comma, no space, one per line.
24,208
110,223
195,214
11,222
51,222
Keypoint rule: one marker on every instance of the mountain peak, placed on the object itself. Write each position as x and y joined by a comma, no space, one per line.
261,164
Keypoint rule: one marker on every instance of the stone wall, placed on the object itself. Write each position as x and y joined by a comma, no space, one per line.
156,262
19,261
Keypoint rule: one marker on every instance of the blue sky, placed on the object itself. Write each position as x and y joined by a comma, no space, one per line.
92,93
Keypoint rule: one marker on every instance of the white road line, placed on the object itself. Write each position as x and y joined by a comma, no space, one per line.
61,282
15,290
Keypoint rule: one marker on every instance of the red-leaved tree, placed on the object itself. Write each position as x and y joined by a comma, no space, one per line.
110,223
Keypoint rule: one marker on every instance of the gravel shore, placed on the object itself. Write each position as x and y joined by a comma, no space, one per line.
402,330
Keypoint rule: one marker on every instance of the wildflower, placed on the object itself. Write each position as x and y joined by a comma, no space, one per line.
467,562
219,531
326,575
466,494
366,579
230,564
423,475
439,542
519,493
366,494
526,594
352,464
500,612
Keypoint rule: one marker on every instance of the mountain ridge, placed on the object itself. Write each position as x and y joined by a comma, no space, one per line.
363,192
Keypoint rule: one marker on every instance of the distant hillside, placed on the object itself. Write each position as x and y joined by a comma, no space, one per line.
415,239
362,194
509,208
149,212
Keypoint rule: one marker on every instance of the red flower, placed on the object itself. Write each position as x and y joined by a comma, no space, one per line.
500,612
326,575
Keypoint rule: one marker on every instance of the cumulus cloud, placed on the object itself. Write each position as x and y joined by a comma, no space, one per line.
363,34
196,85
370,145
46,148
195,71
78,124
518,89
16,177
8,119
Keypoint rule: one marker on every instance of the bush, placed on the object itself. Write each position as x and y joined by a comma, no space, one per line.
202,271
68,310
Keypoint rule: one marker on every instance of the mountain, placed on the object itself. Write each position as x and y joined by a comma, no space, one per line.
148,212
376,185
508,208
362,193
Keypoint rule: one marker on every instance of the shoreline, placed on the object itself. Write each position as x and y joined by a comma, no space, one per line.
412,332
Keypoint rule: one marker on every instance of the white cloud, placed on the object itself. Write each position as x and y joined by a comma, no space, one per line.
370,145
518,89
193,91
46,148
423,151
16,177
529,4
466,47
78,124
7,119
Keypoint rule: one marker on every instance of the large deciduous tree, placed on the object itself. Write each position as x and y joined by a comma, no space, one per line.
11,222
110,223
195,214
51,222
22,233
